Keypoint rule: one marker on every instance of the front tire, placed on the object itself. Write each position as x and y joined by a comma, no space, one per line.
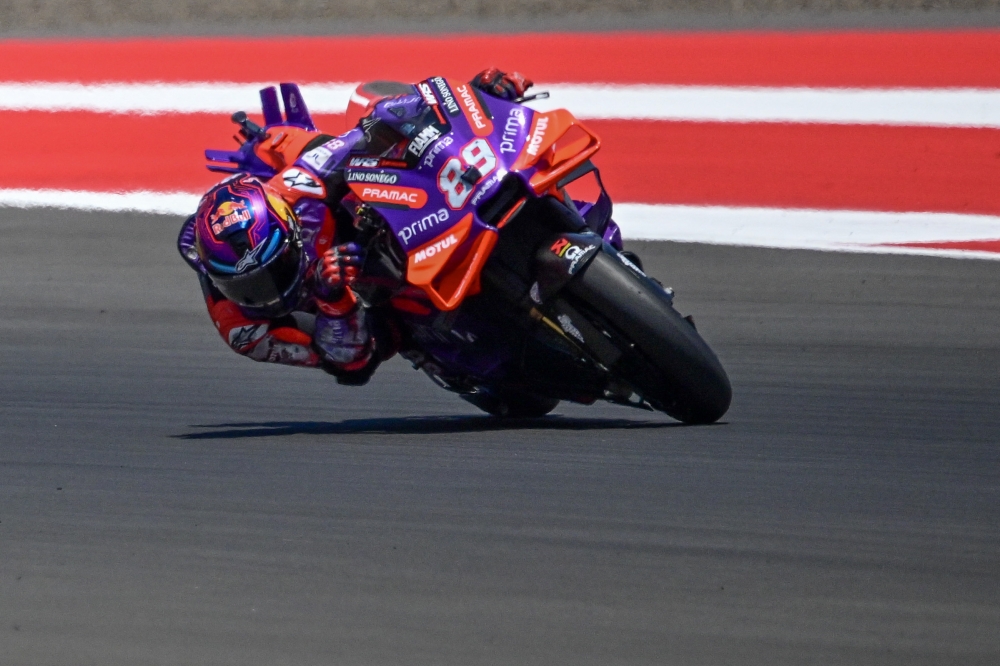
665,358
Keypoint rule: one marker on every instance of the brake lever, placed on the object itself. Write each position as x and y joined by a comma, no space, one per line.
529,98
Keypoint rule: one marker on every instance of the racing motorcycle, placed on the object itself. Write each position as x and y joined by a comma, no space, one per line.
489,240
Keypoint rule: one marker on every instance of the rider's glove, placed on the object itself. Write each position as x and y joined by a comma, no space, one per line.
501,84
338,269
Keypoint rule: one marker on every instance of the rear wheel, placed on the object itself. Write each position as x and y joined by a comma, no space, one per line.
665,358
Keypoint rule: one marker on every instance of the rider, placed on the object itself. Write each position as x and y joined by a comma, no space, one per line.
276,257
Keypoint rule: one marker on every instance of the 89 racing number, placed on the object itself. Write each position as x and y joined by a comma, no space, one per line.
479,154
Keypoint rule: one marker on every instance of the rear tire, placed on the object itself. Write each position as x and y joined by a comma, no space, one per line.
670,364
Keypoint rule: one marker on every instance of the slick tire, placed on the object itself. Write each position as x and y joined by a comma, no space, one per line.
665,358
509,404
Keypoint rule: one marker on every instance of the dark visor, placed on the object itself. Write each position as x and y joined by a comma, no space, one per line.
266,286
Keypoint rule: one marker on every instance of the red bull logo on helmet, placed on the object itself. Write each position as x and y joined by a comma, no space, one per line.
227,214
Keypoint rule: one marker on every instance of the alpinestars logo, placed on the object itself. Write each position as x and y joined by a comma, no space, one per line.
296,179
249,258
432,250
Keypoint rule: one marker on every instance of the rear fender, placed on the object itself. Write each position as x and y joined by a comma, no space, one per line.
559,259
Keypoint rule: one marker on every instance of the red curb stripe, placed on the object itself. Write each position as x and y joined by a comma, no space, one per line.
802,166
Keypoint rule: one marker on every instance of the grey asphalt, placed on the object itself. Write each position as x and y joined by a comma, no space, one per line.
163,501
131,18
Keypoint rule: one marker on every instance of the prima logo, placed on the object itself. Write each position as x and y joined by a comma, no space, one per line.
511,128
436,150
423,224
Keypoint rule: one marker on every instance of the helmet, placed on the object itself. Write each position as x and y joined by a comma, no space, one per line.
247,237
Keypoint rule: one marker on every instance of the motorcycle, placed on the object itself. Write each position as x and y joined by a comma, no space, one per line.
489,239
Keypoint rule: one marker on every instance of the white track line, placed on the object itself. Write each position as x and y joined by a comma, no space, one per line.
832,230
958,107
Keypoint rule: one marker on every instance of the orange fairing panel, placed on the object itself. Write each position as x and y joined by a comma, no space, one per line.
282,146
557,144
447,282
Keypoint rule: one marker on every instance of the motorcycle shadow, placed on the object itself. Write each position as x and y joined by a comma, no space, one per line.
415,425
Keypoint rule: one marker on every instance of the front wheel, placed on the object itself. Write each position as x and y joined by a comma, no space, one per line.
664,356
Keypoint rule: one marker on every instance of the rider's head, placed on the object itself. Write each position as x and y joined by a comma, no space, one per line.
248,240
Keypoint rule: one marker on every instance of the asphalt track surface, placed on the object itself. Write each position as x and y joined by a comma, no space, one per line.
163,501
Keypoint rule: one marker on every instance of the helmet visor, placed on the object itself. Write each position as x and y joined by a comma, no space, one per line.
265,287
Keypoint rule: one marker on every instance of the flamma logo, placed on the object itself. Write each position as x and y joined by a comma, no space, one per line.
474,113
411,197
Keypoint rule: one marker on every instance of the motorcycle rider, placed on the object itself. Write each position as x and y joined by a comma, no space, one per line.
276,258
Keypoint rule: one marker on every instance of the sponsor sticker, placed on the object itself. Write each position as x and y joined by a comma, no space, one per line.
299,180
485,188
427,94
574,253
436,150
511,129
431,250
318,157
227,214
447,98
473,110
244,336
538,130
249,258
379,177
364,162
427,136
409,197
423,224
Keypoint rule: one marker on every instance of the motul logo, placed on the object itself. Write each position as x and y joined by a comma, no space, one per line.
538,135
432,250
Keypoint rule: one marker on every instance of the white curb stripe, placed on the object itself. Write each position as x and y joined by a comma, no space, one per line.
836,230
959,107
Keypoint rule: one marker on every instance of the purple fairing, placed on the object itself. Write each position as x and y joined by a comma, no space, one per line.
613,235
441,153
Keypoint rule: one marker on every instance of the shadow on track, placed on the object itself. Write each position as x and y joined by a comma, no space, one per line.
414,425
